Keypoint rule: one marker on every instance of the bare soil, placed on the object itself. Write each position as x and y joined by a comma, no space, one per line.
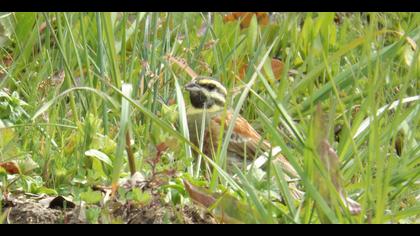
26,210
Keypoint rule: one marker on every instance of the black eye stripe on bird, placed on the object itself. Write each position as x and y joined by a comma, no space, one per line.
209,86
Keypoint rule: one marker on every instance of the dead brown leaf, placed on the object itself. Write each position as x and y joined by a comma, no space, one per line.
11,167
246,17
199,195
276,65
7,60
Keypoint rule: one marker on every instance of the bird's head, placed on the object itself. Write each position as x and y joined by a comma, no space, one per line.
206,92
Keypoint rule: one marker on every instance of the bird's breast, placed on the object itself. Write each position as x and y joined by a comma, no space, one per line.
195,121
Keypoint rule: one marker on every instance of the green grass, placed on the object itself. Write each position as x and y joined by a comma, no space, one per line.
364,73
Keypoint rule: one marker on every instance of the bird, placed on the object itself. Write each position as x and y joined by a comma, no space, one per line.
208,95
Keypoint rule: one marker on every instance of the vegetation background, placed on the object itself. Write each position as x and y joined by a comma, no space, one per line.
75,88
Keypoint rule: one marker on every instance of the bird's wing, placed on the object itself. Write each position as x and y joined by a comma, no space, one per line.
245,138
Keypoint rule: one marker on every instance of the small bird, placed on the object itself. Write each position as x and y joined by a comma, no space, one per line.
209,95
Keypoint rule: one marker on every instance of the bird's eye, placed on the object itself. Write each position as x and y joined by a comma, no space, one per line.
210,86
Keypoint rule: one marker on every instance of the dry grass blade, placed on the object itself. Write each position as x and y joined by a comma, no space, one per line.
331,163
183,64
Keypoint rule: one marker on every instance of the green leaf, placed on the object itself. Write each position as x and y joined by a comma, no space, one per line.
99,155
252,34
183,120
6,134
6,28
93,214
25,36
91,197
45,190
3,215
24,25
3,172
124,124
139,196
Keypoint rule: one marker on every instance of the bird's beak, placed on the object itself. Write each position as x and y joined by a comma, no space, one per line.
191,86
